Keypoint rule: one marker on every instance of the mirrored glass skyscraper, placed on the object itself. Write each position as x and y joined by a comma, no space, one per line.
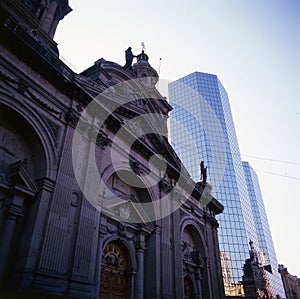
202,129
266,247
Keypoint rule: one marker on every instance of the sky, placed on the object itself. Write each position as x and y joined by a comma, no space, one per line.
254,49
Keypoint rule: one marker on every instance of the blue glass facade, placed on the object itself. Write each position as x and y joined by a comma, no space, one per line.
266,247
201,128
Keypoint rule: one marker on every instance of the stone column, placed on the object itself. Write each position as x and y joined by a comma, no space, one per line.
14,212
130,284
198,283
48,16
209,285
140,256
152,288
102,233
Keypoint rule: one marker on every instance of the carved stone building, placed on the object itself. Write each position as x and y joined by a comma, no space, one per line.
86,211
291,283
255,281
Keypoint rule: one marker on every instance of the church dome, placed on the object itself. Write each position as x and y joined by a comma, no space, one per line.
142,69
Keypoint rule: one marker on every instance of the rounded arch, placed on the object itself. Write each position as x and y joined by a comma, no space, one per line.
29,119
116,71
118,267
129,249
189,224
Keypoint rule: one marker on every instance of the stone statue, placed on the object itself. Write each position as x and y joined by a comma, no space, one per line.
129,58
203,170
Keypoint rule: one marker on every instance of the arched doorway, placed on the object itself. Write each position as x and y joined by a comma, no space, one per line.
113,283
194,269
189,290
22,162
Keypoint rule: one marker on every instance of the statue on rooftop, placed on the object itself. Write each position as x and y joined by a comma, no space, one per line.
203,172
129,58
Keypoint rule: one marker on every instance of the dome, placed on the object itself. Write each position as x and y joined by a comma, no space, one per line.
143,69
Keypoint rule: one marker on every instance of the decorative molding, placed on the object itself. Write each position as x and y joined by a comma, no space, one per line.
72,117
54,128
14,211
210,219
23,85
6,78
42,103
136,166
46,184
111,230
122,231
103,140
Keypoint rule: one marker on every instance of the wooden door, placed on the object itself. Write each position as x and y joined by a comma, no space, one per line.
113,281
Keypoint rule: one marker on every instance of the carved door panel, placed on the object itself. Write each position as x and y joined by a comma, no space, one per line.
113,275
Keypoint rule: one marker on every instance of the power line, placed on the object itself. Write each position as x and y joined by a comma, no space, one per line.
248,156
273,160
68,63
260,170
282,175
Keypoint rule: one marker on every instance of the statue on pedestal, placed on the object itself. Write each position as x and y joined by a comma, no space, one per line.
203,172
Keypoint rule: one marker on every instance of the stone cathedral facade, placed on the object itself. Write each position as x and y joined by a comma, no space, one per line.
85,211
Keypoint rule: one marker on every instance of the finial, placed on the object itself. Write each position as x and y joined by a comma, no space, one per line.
143,46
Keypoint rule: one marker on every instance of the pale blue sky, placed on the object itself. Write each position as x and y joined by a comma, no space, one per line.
253,47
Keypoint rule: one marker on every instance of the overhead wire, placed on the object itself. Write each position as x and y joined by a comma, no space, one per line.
261,158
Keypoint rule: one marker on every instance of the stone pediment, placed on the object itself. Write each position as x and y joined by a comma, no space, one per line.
125,208
20,180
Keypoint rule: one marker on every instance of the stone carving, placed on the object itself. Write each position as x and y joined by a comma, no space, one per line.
186,253
23,85
122,231
103,140
72,118
135,166
165,185
111,230
75,199
124,212
54,128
